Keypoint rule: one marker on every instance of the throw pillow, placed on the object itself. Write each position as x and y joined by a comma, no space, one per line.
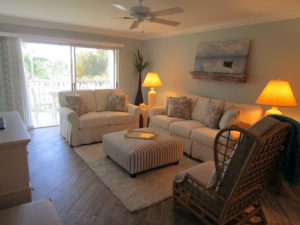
116,102
229,117
212,114
180,107
75,103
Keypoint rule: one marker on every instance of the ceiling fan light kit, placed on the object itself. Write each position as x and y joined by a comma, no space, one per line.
141,13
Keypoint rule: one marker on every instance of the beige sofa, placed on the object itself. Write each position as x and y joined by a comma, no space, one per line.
197,138
91,126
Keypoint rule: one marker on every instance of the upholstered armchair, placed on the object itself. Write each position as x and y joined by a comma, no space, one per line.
228,190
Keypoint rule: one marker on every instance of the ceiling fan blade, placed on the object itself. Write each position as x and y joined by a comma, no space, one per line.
169,11
120,7
163,21
134,24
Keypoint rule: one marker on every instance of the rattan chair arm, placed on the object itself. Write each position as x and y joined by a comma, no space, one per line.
211,191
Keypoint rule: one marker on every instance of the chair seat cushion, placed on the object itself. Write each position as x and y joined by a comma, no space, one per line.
163,121
205,136
98,119
201,172
184,128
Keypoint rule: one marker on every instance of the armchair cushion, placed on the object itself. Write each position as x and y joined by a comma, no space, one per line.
201,173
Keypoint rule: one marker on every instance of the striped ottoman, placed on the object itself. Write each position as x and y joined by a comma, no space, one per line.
137,155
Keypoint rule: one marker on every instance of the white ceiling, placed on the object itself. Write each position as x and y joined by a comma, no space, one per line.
100,16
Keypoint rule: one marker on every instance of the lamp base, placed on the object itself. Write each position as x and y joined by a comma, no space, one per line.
152,97
273,110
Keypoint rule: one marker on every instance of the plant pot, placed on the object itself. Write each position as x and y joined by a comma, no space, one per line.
139,95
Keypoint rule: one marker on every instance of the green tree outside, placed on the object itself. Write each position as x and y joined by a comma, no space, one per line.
91,64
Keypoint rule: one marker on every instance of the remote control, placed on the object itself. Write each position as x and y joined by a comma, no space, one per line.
2,123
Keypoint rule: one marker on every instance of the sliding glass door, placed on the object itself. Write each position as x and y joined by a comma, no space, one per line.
47,71
51,68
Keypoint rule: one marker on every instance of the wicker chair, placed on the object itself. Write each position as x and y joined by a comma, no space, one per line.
243,166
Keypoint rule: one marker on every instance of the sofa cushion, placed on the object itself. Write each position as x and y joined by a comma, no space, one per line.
105,118
248,113
101,97
92,119
184,128
198,111
212,114
180,107
115,118
88,98
163,121
205,136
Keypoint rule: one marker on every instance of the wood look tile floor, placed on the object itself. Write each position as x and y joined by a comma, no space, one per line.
80,197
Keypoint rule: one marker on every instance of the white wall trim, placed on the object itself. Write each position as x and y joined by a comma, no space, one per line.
218,26
68,27
58,40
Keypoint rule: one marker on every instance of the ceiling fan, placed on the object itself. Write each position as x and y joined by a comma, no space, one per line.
141,13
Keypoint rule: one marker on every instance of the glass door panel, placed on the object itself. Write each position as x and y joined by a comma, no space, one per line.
47,72
94,68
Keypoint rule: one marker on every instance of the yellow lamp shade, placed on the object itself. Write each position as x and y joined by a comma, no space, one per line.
277,93
152,80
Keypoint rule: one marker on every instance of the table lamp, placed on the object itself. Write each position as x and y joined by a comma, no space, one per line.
152,80
277,93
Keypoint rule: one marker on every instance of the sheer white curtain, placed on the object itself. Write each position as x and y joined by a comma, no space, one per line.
13,91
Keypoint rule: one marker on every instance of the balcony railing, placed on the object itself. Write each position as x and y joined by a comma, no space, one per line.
44,97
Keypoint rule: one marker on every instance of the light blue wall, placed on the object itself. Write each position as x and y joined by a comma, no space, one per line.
274,53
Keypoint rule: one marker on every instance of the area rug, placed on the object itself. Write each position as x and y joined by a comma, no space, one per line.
145,190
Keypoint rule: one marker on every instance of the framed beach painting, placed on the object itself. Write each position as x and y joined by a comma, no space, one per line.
223,61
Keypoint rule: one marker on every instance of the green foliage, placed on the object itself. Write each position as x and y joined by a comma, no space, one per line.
27,64
59,68
41,67
139,63
91,64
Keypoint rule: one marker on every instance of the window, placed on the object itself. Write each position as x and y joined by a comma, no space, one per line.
51,68
94,68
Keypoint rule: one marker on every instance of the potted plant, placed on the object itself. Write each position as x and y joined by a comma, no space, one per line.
140,65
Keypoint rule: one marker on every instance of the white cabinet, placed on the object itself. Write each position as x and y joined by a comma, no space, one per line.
14,171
